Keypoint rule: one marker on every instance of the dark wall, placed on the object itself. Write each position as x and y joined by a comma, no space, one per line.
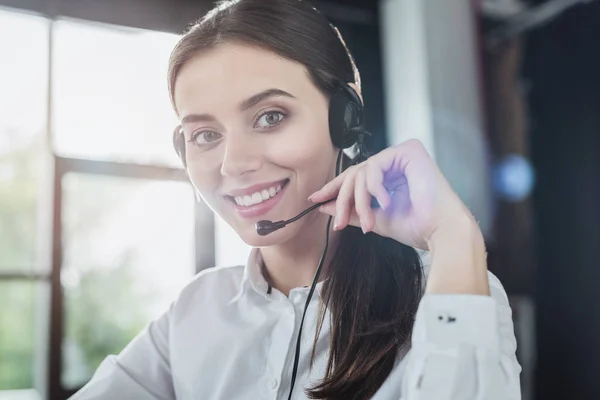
364,44
563,70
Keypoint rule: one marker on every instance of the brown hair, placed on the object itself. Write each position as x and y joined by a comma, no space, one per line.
375,283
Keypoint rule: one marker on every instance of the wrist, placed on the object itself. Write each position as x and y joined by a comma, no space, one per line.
462,231
459,262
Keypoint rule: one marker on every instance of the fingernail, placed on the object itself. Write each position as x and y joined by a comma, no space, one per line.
381,206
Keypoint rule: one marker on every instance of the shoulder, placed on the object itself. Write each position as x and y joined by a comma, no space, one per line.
218,284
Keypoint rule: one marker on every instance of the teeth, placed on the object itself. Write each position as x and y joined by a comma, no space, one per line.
258,197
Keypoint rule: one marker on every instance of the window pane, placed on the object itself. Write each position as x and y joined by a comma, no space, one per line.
17,330
230,249
129,249
23,97
110,99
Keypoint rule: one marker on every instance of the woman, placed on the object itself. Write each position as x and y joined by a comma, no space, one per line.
253,84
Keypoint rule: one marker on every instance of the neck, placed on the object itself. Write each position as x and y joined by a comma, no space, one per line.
293,263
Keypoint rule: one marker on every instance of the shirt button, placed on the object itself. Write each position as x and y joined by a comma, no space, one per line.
444,317
273,383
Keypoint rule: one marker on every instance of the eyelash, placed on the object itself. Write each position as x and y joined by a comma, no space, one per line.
266,112
262,114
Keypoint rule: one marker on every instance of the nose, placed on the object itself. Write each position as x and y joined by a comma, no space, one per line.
242,155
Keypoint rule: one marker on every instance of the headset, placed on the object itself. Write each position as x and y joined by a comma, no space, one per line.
346,128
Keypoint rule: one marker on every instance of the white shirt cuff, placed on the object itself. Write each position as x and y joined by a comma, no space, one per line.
450,320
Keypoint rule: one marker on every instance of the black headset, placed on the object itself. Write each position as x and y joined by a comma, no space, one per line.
346,117
346,121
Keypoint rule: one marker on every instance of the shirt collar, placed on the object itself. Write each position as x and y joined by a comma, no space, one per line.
253,278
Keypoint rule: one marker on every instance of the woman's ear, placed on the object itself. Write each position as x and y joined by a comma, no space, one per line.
357,90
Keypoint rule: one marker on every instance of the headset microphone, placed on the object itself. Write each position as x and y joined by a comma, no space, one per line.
264,227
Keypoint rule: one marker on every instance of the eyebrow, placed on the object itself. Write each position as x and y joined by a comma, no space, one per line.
244,105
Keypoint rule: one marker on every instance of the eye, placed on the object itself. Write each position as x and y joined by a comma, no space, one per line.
269,119
204,138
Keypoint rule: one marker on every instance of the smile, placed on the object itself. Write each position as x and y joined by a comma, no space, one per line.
254,204
258,197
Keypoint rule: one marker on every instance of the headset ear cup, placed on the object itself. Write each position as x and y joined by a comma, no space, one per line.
179,145
345,117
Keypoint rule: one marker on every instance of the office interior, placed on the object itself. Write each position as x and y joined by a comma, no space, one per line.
100,228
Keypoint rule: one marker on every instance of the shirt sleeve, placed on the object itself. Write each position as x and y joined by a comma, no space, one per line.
141,371
463,347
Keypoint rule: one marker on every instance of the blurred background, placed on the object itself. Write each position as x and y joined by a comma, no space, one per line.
99,228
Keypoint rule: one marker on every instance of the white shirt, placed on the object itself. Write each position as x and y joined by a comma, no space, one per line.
226,338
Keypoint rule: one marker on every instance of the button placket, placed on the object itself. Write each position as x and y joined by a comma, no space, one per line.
282,337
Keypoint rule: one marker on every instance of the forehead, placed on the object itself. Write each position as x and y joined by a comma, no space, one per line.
232,72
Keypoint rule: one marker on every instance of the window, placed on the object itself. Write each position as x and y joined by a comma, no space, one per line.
23,83
99,227
128,251
18,326
230,249
110,99
23,277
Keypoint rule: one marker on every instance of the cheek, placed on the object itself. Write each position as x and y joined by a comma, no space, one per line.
205,182
310,155
305,146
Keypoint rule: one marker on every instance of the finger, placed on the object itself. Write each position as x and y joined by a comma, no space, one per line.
330,189
362,200
375,185
330,209
344,203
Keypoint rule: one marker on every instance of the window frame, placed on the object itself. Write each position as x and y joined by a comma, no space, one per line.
47,376
204,249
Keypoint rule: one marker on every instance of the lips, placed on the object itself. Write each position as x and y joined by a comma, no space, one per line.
257,200
258,188
259,196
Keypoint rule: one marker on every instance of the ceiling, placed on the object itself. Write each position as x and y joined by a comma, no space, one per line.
174,15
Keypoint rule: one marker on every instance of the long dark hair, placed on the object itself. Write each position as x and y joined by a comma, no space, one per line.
374,283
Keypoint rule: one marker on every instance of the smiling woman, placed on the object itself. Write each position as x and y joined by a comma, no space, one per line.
269,98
